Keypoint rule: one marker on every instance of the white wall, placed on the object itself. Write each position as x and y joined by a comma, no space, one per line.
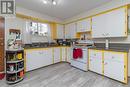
107,6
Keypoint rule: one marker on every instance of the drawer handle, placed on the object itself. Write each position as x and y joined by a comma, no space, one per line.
105,63
113,57
40,52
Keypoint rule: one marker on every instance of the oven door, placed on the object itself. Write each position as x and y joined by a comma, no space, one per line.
85,55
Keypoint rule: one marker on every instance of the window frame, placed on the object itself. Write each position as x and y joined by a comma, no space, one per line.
39,28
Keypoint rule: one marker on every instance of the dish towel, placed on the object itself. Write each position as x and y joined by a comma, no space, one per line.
77,53
80,53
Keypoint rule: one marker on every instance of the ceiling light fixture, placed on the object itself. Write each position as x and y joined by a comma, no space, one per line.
45,1
53,2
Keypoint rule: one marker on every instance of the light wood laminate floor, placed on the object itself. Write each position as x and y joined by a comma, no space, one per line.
63,75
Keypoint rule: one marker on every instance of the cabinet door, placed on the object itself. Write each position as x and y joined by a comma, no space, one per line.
60,31
69,54
114,66
67,31
73,30
88,25
95,61
48,58
38,58
84,25
110,24
99,26
116,27
63,53
34,60
57,55
70,30
78,26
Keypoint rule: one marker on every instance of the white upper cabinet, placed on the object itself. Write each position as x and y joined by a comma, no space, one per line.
110,24
84,25
70,30
60,31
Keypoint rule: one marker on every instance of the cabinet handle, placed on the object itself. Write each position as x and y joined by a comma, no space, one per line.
103,34
107,34
105,63
40,52
113,57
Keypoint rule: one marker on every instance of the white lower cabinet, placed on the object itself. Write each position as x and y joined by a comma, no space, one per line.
95,61
32,58
38,58
48,57
109,63
63,50
69,54
114,66
57,55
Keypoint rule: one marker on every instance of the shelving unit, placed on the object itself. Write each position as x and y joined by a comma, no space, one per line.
14,57
14,66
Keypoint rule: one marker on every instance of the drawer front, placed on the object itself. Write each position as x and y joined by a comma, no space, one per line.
82,66
114,56
95,54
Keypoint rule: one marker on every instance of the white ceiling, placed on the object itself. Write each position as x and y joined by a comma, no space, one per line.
64,9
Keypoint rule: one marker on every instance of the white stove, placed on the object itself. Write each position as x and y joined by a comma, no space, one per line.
81,63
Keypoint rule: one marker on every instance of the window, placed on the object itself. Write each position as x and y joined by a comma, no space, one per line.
39,28
33,27
43,29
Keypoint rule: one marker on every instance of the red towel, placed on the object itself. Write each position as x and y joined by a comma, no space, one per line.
80,53
77,53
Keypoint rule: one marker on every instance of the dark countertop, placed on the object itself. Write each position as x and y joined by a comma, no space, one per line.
41,45
44,47
119,47
111,49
